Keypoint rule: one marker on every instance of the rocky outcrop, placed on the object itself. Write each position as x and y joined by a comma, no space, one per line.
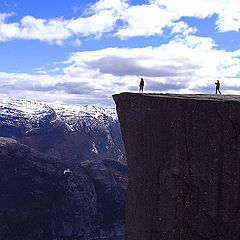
110,179
41,199
183,154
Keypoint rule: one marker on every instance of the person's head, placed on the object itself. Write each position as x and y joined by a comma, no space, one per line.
217,80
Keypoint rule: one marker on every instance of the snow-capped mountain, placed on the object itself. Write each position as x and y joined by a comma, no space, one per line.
79,183
35,112
72,132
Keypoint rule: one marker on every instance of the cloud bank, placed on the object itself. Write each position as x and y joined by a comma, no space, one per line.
185,64
119,18
93,76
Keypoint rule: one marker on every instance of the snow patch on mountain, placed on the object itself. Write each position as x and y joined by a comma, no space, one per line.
23,108
22,111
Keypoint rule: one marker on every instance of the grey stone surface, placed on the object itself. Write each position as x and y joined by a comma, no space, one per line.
183,155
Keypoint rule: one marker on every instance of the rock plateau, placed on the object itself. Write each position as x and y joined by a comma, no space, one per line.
183,154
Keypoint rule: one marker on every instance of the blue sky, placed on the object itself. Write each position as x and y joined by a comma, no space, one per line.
80,51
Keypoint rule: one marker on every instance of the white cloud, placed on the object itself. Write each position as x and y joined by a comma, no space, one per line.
104,16
229,20
58,29
44,30
182,28
227,10
145,20
77,42
151,19
94,25
7,31
117,5
186,65
197,8
52,30
194,67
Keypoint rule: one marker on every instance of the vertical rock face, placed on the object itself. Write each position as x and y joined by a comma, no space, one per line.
41,200
183,154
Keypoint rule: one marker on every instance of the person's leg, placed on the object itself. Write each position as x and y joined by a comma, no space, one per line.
216,91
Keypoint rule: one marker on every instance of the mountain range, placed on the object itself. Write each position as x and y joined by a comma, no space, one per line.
63,171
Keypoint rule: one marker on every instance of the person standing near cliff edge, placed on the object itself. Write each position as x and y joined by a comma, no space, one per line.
141,85
217,86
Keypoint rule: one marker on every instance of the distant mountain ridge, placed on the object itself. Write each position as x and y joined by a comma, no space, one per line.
72,132
81,156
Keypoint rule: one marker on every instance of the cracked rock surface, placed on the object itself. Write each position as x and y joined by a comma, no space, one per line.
183,155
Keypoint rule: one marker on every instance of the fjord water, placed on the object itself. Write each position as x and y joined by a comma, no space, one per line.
115,238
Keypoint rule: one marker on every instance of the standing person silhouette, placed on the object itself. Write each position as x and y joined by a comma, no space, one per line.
217,86
141,85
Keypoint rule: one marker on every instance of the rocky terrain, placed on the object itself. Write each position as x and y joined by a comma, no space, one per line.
62,172
39,199
70,132
184,163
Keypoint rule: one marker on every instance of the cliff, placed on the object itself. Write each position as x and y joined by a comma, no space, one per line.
40,200
183,155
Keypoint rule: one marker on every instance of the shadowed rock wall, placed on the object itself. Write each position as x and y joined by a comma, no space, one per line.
183,155
38,201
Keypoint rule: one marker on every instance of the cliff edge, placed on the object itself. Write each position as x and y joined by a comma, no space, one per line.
183,155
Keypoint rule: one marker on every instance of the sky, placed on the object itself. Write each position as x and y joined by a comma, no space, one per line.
82,52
